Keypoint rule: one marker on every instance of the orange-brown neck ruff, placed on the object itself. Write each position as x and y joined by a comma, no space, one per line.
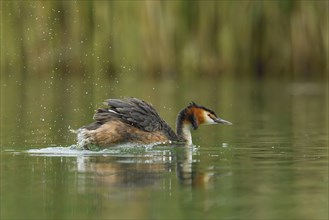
191,117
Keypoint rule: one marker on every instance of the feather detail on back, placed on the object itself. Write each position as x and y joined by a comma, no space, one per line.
134,112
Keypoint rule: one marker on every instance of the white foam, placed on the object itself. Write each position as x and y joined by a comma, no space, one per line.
75,151
71,151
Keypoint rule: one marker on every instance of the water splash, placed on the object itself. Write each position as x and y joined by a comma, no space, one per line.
125,150
71,151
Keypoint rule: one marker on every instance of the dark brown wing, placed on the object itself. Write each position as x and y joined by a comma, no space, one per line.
137,113
134,112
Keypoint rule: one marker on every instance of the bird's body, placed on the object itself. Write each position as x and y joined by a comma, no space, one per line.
135,121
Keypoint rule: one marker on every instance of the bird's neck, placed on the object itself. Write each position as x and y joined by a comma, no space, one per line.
183,128
184,133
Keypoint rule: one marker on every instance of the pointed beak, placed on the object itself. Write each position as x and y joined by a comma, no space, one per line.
222,121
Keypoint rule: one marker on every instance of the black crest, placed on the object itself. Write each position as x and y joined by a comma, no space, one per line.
193,104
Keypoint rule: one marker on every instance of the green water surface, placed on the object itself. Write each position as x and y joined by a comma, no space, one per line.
271,164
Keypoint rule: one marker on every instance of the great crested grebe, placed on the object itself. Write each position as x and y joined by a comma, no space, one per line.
132,120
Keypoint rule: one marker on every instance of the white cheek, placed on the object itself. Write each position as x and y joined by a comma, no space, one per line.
208,120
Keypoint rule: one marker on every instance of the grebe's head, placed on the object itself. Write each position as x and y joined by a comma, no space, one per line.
197,115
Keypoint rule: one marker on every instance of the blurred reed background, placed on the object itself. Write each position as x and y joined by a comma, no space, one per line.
166,38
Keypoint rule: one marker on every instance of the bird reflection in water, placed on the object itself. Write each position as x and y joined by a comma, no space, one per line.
145,168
